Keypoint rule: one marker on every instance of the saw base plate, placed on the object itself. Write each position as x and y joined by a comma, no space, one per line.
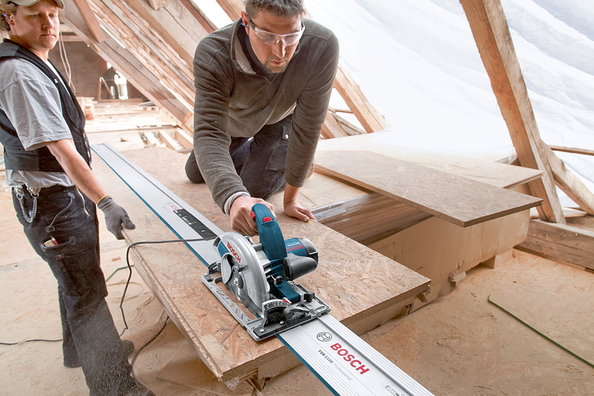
262,328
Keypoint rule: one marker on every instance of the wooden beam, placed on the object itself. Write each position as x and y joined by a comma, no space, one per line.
155,23
331,128
573,150
186,140
491,33
560,242
137,72
206,23
367,115
90,19
157,4
570,184
232,8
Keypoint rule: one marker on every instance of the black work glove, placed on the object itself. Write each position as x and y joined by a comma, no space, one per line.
115,217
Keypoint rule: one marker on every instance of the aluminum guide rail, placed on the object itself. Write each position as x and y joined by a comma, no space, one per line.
345,363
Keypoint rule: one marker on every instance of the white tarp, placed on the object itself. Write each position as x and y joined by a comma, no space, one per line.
418,64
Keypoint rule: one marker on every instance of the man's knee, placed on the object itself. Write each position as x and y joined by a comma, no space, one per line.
192,170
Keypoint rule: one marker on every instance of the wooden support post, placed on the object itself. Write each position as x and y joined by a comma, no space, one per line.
570,184
367,115
573,150
494,42
85,10
331,128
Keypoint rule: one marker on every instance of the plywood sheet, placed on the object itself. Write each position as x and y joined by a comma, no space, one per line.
570,326
355,281
459,200
388,143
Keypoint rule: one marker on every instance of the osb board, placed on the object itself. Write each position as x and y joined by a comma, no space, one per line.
569,326
388,143
355,281
457,199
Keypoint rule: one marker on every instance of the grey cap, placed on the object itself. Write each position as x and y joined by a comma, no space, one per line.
29,3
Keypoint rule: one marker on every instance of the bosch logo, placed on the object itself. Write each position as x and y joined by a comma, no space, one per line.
324,336
355,363
294,247
234,253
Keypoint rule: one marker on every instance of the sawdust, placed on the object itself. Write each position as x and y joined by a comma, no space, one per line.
459,344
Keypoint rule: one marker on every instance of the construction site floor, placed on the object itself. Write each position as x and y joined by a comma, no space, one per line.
460,344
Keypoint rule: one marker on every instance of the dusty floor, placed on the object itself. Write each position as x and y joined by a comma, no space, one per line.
460,344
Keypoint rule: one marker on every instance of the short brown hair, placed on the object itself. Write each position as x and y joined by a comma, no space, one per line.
282,8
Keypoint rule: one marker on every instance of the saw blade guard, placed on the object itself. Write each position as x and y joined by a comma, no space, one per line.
243,270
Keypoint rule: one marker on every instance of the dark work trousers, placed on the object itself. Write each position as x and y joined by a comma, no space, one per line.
90,338
260,162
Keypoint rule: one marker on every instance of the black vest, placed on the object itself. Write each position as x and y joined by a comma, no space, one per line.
15,155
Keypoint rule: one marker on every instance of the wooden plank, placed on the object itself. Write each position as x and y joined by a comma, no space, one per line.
573,150
90,19
232,8
388,143
350,91
143,35
331,128
458,200
369,218
186,140
157,4
491,33
569,326
570,184
170,141
560,242
152,18
206,23
136,71
359,284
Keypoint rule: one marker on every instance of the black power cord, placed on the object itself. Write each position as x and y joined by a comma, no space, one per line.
129,266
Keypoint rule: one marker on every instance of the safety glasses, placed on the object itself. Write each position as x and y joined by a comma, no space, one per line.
269,38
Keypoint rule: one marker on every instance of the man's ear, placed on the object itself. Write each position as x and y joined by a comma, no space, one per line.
244,20
9,18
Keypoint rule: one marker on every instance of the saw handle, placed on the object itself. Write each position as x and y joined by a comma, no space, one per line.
271,236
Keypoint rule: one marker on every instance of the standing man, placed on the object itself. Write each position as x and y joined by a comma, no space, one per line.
54,192
263,85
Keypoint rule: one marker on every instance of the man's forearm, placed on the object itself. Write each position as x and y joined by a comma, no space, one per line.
290,194
76,168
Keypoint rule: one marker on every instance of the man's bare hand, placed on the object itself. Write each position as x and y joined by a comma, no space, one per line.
294,209
240,215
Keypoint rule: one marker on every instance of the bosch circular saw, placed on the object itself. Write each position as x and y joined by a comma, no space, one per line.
261,276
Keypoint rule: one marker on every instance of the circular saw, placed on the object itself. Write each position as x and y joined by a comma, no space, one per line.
261,276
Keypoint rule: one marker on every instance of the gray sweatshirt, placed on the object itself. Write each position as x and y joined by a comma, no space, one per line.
233,101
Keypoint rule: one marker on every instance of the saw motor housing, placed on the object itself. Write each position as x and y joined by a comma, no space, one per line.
261,276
